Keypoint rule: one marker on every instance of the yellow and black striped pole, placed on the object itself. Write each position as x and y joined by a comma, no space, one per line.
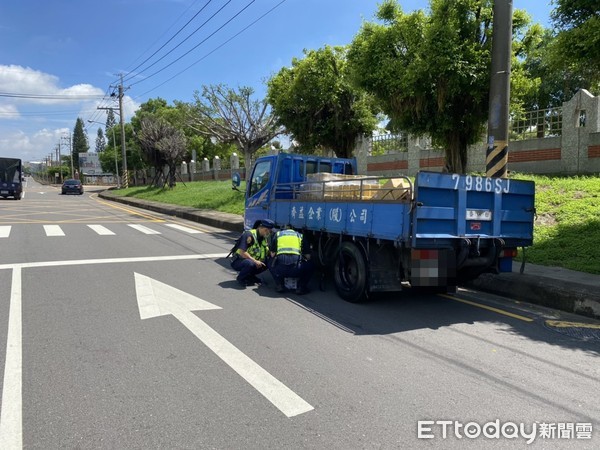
497,149
496,159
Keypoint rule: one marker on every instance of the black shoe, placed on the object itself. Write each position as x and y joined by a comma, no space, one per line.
245,282
302,291
279,287
255,279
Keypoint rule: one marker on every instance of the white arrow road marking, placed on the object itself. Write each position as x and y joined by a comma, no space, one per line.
159,299
11,418
11,403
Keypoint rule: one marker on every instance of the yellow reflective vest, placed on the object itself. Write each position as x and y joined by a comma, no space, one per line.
258,250
289,242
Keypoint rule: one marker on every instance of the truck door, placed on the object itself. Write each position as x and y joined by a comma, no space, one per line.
258,190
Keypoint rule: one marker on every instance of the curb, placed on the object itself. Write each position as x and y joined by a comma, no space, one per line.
225,221
550,292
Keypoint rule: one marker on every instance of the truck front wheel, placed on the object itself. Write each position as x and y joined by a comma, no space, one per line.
350,273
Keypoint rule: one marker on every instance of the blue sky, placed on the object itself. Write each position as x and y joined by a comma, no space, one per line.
53,48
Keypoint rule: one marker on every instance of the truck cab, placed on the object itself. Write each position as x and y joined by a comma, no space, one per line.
286,172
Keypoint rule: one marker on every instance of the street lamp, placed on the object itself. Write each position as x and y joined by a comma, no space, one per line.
115,144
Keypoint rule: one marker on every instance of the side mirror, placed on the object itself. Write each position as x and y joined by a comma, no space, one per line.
236,180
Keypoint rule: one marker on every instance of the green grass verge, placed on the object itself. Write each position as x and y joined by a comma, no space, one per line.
567,227
566,230
214,195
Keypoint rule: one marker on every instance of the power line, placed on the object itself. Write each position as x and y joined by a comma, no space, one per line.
161,36
39,114
50,96
214,50
189,36
196,46
172,37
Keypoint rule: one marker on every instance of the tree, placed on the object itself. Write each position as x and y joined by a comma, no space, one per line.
577,45
430,74
162,144
316,103
80,142
551,85
110,120
100,141
233,118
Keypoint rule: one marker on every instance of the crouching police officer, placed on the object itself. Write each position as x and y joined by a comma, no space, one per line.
250,258
290,258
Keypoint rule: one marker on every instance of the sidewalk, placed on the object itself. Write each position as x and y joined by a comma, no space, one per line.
553,287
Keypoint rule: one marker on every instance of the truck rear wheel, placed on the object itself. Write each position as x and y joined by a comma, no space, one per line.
350,273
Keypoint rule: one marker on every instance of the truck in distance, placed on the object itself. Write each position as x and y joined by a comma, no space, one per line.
11,176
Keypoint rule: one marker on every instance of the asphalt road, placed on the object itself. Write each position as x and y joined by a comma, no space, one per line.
121,328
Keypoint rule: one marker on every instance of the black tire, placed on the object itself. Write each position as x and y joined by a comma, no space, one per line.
350,273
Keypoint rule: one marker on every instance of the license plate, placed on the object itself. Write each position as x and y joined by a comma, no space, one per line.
479,214
3,192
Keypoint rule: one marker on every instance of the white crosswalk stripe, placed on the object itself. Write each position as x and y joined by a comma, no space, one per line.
182,228
101,230
5,231
53,230
143,229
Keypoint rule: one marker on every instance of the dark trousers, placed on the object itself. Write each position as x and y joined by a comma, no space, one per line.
302,270
246,268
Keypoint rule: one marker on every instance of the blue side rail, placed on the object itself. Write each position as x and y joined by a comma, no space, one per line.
361,208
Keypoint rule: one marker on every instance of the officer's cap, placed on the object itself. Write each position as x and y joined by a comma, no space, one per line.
267,223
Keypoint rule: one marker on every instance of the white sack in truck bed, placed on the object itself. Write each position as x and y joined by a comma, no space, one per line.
333,186
394,189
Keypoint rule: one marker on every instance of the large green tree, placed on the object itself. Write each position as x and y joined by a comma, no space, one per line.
430,73
318,105
80,142
110,120
576,49
552,85
100,141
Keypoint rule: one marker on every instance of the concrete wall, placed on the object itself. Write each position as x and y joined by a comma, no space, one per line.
576,151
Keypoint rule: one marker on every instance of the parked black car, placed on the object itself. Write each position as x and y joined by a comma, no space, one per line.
72,187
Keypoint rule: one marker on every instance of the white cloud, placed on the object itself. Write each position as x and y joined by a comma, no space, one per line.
31,129
24,80
19,144
20,79
8,112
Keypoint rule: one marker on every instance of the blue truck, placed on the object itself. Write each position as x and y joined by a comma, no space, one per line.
383,234
11,176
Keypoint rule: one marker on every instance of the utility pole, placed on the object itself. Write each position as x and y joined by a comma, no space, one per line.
125,176
60,162
70,140
497,149
57,176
